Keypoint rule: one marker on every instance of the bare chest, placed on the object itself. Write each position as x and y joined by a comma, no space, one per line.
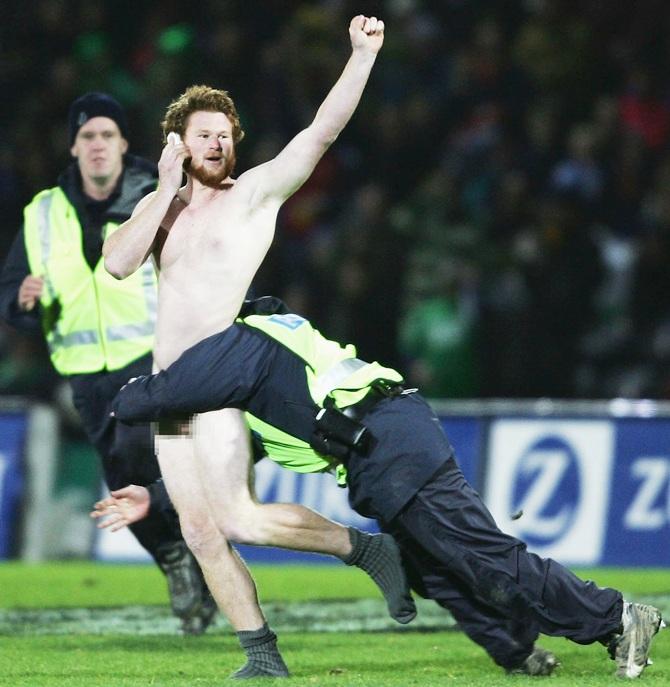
216,242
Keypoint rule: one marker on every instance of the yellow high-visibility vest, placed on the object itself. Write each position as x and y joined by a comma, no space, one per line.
91,321
332,371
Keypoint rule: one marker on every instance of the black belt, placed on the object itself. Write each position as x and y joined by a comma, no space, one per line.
378,392
337,431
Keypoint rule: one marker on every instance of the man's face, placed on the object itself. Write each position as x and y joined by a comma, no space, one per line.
209,138
99,149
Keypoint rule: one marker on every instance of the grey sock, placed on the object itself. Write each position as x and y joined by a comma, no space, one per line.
263,657
379,556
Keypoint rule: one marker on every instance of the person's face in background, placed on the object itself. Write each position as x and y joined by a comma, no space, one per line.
99,149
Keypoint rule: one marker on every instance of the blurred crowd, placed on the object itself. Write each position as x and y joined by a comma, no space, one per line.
495,220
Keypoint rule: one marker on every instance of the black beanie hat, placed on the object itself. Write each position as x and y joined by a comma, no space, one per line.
95,105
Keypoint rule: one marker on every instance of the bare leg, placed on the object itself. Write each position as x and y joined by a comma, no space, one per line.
227,576
222,444
224,458
190,487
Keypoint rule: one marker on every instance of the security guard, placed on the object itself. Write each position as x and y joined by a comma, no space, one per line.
99,331
316,407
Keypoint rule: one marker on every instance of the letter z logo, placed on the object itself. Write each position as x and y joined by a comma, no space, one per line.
558,473
542,471
648,509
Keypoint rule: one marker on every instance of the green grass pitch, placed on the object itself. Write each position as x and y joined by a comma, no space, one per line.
101,625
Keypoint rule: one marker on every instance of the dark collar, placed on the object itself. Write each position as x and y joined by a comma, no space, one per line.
138,178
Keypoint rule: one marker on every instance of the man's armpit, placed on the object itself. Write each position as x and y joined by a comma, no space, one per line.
159,242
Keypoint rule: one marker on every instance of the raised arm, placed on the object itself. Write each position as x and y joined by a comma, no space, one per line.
283,175
131,244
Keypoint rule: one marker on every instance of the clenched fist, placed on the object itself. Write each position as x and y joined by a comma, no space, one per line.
367,33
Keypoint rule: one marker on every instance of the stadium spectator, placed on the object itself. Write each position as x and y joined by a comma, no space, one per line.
99,331
437,334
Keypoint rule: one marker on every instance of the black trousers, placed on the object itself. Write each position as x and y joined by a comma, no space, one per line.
127,452
501,595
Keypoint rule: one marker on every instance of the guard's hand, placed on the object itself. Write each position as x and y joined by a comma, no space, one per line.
130,381
367,33
171,163
30,292
122,507
116,401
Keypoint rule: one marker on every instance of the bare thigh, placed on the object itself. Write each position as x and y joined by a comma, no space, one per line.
223,459
176,458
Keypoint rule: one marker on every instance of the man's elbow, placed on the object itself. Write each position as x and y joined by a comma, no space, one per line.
322,133
327,135
115,268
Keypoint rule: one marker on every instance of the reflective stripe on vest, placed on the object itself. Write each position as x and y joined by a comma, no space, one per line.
88,336
332,369
118,318
122,332
333,377
57,340
129,331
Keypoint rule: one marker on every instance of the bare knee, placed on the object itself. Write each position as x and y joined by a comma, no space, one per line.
244,525
202,536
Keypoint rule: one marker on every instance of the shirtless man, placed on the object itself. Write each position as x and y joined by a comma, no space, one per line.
209,238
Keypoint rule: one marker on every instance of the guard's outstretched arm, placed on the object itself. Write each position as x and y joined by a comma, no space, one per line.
220,371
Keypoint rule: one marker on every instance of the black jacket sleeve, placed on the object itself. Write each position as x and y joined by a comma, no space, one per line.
14,271
221,371
161,503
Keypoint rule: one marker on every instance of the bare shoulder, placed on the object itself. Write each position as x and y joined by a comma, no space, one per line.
251,176
251,183
143,202
176,206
